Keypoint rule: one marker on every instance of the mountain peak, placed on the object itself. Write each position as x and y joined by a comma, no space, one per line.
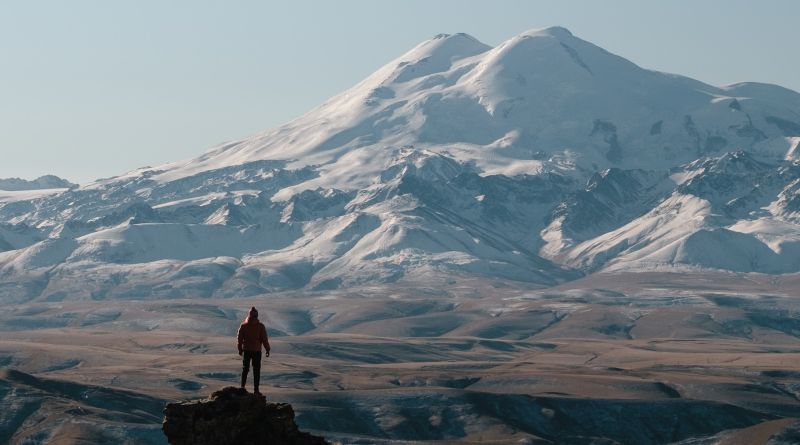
552,31
539,48
456,36
454,46
436,55
40,183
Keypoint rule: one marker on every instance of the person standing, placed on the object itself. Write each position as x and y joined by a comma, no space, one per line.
251,336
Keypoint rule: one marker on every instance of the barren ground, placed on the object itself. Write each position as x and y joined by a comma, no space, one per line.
634,359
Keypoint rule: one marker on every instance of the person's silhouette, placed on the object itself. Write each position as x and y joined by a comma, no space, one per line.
251,336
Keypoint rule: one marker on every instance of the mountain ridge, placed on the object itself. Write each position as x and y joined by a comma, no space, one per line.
539,161
40,183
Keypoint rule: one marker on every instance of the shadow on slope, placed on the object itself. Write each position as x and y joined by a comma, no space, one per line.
463,415
37,410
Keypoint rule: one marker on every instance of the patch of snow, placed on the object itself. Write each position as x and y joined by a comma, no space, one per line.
7,196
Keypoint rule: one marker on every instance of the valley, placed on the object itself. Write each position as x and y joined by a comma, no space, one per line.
474,364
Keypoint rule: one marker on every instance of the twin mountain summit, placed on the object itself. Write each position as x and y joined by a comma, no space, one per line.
539,161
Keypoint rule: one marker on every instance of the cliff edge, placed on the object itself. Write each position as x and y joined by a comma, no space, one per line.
234,416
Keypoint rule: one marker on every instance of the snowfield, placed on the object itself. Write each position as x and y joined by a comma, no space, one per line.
8,196
540,161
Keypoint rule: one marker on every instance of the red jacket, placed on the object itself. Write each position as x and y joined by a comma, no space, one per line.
252,334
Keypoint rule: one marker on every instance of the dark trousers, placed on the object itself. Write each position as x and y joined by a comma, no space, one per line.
255,358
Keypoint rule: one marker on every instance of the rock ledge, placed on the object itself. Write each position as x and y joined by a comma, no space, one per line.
234,416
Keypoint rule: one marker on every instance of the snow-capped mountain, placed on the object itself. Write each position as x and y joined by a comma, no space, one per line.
539,160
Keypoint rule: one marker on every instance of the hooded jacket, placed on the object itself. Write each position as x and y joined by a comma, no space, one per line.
252,334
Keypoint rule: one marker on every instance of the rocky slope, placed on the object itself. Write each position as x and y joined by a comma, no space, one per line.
540,160
38,410
234,416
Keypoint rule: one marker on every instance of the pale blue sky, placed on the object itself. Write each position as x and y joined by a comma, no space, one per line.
95,88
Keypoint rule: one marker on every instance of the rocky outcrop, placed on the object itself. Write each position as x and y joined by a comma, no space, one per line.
40,183
234,416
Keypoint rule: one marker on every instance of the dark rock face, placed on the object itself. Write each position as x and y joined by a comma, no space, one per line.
234,416
40,183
